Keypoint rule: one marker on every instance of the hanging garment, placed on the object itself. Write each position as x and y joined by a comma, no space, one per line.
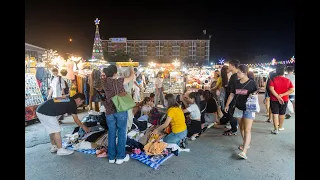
70,75
41,74
86,90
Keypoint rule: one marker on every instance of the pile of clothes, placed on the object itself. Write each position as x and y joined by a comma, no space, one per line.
141,143
95,142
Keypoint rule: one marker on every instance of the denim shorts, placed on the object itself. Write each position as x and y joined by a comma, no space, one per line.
243,114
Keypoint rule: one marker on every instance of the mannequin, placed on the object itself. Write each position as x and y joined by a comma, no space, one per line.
70,66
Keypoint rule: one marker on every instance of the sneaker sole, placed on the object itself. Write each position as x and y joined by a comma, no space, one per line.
64,154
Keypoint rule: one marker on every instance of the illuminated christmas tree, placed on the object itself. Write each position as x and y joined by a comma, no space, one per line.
97,52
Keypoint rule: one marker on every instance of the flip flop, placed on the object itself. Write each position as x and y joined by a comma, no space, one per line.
229,133
241,147
243,155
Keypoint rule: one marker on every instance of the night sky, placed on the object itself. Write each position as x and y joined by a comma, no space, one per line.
239,30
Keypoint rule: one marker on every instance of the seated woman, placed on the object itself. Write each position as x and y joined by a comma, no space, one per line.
176,120
147,105
192,102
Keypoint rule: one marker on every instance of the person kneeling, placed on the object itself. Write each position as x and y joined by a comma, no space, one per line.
175,120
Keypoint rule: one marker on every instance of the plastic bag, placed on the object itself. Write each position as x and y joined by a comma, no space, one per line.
290,107
252,104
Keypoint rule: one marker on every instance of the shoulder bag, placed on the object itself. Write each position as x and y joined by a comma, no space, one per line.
122,101
231,110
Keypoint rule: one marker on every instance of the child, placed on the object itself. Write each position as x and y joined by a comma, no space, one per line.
146,106
192,102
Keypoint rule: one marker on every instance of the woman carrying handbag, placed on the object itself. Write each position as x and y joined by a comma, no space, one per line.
116,114
243,88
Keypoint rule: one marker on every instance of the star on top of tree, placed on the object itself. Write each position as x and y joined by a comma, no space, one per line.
97,21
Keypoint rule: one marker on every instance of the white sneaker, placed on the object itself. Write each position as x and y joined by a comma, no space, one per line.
210,125
281,129
54,149
275,132
193,138
63,152
112,161
126,159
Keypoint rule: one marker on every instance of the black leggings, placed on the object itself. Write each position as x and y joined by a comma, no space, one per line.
233,121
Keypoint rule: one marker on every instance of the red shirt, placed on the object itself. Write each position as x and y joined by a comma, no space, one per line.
281,85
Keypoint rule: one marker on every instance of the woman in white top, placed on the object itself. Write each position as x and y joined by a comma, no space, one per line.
147,106
192,102
159,89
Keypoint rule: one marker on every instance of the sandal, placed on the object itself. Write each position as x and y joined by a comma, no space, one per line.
241,147
243,155
229,133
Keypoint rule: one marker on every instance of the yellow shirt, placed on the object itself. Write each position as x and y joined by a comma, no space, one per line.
219,83
73,90
178,122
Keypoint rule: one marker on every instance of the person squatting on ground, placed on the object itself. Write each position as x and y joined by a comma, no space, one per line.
192,104
240,92
117,121
176,120
49,112
280,88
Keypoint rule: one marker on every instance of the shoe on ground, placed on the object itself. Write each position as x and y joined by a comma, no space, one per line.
102,155
193,138
288,116
281,129
275,132
184,143
242,155
54,149
210,125
126,159
64,152
112,161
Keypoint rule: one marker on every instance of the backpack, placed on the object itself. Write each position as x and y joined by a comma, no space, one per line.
154,116
66,89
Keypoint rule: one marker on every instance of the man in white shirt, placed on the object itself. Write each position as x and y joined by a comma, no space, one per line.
159,90
57,85
292,77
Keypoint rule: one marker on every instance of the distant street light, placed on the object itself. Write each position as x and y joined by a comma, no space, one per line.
70,40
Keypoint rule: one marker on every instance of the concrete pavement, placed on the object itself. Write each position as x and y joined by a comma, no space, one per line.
212,156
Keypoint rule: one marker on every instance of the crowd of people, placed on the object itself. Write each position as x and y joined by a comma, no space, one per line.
187,115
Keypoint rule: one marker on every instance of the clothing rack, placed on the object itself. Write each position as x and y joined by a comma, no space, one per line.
83,86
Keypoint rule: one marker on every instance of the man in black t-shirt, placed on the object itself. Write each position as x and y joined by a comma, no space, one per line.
49,112
233,67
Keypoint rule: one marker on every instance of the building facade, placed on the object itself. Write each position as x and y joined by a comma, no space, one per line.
33,52
159,50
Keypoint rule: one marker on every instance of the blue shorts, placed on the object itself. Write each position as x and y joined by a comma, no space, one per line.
266,94
243,114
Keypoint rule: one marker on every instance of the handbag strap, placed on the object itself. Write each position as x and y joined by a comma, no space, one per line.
241,88
204,108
